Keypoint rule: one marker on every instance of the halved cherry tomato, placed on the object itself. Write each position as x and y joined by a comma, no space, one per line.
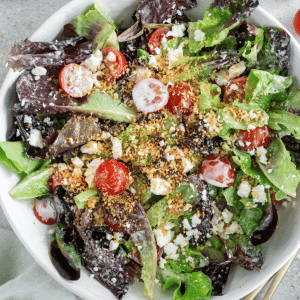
112,177
217,171
297,22
181,99
150,95
235,90
253,138
115,62
156,37
113,224
45,211
57,180
75,80
273,194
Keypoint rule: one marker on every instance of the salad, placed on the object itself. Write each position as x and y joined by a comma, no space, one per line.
161,150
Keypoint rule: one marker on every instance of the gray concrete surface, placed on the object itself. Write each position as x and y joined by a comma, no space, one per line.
19,19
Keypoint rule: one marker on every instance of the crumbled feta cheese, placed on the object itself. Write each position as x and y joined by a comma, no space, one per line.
141,73
199,35
113,245
261,153
176,54
170,249
190,259
116,147
162,263
195,220
90,148
186,224
187,165
94,61
222,77
227,215
157,51
270,171
177,31
234,87
244,189
163,237
77,162
159,186
237,69
152,61
259,195
91,171
39,71
35,139
234,228
111,57
251,127
27,119
241,143
192,232
181,241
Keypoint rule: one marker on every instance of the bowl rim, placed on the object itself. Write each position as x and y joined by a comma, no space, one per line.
6,84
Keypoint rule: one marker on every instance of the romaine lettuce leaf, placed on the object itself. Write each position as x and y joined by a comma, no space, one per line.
209,95
97,26
219,19
282,120
284,174
11,154
33,185
292,103
250,219
262,87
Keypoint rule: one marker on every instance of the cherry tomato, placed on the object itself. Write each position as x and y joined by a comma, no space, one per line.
57,180
297,22
235,90
45,211
217,171
150,95
112,177
75,80
181,99
253,138
115,62
273,194
109,220
156,37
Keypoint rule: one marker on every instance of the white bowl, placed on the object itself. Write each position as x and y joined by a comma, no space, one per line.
34,235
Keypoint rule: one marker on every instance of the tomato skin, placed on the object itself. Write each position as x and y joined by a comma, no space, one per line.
57,180
297,22
217,171
181,99
230,94
44,211
273,194
113,224
75,80
116,68
260,136
156,37
112,177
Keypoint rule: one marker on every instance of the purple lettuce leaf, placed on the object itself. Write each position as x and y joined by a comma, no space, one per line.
267,228
39,96
52,58
76,132
139,229
249,257
218,276
68,32
108,269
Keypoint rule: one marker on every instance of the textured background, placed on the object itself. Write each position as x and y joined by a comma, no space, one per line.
19,19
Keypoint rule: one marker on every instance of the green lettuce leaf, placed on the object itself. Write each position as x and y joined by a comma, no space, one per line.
250,219
209,95
97,25
281,120
33,185
292,102
11,154
251,49
104,106
82,198
262,87
244,161
197,285
284,174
